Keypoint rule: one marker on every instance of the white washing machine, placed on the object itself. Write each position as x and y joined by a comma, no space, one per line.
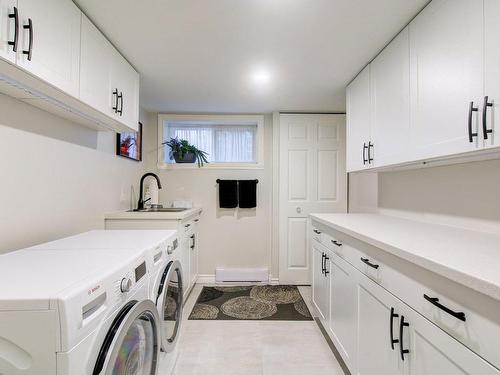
77,313
165,274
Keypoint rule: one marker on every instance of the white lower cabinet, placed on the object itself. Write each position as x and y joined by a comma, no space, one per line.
373,327
343,308
320,290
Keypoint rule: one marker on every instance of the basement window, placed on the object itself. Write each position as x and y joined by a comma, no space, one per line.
231,141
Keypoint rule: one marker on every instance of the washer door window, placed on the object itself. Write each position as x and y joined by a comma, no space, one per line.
169,303
132,344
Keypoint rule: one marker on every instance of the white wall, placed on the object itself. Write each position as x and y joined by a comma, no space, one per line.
58,178
229,238
462,194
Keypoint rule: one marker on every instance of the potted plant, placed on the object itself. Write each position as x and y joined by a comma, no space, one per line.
183,152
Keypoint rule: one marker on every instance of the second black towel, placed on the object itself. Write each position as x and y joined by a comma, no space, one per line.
247,193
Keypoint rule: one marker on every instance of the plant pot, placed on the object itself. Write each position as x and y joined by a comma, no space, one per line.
188,157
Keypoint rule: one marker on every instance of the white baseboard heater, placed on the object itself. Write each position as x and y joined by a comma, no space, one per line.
241,274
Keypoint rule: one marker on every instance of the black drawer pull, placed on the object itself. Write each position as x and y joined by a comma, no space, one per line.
336,243
393,340
29,27
193,237
402,324
316,231
367,261
115,94
486,131
469,122
365,147
435,301
323,263
187,225
14,43
370,158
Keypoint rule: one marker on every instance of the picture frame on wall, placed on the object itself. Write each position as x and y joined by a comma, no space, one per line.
129,144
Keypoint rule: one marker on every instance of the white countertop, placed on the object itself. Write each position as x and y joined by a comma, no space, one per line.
134,215
467,257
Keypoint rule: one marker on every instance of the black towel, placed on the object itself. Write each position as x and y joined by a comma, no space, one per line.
247,193
228,193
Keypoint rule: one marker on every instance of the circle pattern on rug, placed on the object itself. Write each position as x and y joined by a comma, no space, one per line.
203,311
280,294
302,309
209,295
248,308
232,289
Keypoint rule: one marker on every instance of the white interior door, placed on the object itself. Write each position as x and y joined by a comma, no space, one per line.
492,72
7,29
446,70
55,42
312,179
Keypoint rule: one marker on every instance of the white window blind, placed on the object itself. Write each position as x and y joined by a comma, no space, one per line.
224,143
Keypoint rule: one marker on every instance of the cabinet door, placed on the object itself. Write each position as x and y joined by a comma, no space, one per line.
55,46
358,121
320,293
343,309
185,263
492,72
446,72
126,80
7,30
375,355
390,101
95,69
193,257
433,351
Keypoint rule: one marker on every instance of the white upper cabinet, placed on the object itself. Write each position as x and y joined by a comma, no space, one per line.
446,61
390,101
490,123
49,45
9,15
95,69
358,122
125,83
108,82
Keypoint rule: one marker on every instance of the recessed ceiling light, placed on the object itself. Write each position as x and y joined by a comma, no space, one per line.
261,77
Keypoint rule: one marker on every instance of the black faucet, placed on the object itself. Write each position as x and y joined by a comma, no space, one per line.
140,204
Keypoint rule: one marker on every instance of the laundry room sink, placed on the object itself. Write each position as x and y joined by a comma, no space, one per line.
162,209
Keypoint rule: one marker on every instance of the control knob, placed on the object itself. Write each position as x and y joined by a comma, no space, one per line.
125,285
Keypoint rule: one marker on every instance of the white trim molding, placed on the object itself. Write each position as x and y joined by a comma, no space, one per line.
220,119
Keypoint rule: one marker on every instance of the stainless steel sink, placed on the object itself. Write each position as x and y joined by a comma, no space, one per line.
163,209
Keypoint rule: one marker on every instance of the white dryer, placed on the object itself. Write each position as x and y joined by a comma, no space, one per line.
77,313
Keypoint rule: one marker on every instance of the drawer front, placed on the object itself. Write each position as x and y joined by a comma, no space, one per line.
316,234
438,299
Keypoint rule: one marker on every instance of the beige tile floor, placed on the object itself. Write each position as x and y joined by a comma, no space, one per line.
253,347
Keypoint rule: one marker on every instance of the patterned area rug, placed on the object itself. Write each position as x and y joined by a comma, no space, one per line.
261,302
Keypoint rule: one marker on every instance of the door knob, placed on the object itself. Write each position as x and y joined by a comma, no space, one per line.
299,210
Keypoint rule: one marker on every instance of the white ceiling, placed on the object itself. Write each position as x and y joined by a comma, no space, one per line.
248,55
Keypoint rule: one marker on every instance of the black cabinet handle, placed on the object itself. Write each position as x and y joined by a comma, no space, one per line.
370,158
486,131
365,147
193,237
187,225
316,231
469,123
336,243
29,27
120,97
14,43
196,220
402,325
435,301
323,263
367,261
393,340
326,270
115,94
